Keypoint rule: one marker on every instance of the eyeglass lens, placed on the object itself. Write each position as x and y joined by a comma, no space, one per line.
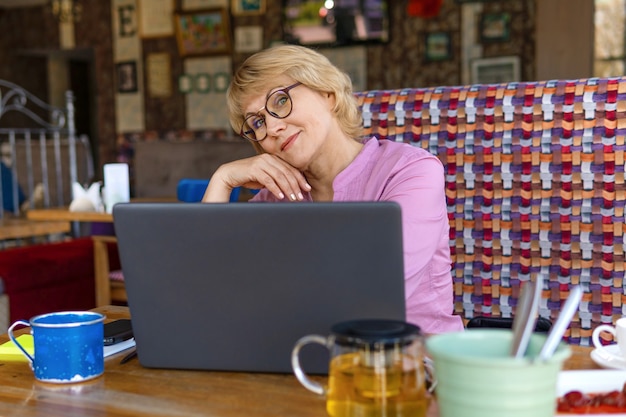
278,105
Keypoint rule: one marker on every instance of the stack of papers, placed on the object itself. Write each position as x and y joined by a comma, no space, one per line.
118,347
10,352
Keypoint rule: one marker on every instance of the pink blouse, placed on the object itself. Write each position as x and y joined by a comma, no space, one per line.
412,177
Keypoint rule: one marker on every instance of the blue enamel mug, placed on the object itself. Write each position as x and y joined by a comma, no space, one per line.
68,346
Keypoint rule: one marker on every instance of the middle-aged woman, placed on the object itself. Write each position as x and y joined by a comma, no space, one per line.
299,112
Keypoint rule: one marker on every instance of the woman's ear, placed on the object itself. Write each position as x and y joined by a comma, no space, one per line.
331,99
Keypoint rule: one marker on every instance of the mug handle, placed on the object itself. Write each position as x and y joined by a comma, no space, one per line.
595,337
297,369
14,340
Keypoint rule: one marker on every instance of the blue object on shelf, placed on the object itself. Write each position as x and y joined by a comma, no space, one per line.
7,190
191,190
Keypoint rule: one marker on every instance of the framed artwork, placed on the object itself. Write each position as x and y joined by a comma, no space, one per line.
126,77
158,75
248,38
495,27
155,18
498,70
202,83
204,4
185,84
221,80
203,32
247,7
438,46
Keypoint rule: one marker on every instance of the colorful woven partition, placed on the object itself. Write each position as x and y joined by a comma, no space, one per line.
534,185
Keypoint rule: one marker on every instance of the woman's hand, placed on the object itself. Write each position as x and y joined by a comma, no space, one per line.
260,171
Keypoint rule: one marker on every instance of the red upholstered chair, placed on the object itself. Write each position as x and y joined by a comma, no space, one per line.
48,277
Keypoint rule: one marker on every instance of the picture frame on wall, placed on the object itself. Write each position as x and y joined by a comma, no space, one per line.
155,18
204,4
126,74
185,83
158,75
247,7
495,27
438,46
476,1
497,70
203,32
248,39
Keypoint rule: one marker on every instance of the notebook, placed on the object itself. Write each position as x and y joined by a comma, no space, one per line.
232,287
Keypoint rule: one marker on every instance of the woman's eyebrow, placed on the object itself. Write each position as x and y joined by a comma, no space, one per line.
274,89
250,113
267,95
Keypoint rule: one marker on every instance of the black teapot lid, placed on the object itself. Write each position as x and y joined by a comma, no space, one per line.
374,331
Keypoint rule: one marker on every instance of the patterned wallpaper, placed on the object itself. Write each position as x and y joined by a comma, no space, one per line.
26,69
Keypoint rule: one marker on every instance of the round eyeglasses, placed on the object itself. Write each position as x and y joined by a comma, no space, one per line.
278,104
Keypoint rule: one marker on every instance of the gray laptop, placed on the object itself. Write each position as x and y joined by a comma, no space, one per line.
233,286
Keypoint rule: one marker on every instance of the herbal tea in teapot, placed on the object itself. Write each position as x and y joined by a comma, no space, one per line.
376,369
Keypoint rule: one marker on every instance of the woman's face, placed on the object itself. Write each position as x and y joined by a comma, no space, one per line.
301,136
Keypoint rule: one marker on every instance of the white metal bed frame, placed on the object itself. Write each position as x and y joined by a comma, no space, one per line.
26,149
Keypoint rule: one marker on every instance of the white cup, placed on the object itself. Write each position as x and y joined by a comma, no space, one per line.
619,335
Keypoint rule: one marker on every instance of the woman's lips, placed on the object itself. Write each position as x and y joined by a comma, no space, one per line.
290,140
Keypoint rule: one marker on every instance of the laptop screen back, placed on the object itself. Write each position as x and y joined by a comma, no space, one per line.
234,286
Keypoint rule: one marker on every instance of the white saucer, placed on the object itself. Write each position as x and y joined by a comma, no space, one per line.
609,357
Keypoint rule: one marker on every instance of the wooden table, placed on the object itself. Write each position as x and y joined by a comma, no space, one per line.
132,390
20,228
63,213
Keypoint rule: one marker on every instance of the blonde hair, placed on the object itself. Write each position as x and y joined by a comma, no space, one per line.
301,64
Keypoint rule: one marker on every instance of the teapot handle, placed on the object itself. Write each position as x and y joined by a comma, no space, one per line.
297,369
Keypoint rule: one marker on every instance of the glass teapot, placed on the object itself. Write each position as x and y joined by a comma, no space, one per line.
376,369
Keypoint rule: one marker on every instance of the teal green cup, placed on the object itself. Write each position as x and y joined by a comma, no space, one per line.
478,377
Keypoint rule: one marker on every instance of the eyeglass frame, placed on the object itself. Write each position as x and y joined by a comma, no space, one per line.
271,113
